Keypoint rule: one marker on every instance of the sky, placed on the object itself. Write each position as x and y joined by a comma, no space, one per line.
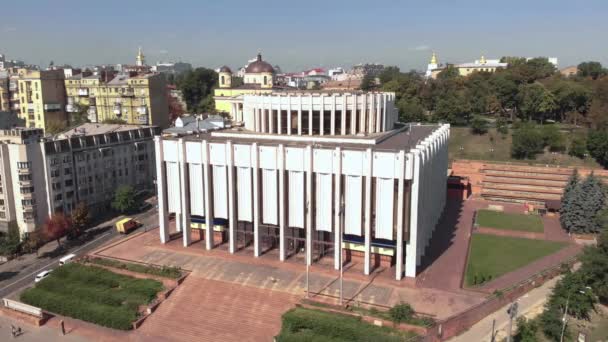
302,34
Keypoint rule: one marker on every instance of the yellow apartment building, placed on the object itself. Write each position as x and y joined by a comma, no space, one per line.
41,97
136,99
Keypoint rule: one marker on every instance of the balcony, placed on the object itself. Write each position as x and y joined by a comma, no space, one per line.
12,86
128,92
24,170
27,195
71,108
31,106
25,182
117,110
142,119
16,106
92,110
52,107
83,92
142,110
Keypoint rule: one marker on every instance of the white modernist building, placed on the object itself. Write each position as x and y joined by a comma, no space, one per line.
326,174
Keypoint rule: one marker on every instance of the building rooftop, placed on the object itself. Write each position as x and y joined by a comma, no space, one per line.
96,128
404,137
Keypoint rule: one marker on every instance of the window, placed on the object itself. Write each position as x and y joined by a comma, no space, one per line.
24,165
67,159
28,202
1,202
265,80
67,171
25,177
69,182
2,214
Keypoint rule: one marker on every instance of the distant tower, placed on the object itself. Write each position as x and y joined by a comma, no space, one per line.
483,60
140,59
225,76
434,64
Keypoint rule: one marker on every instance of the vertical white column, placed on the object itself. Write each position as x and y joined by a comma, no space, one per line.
163,215
279,119
208,198
411,247
322,116
264,120
231,198
255,119
333,115
368,212
365,124
271,118
310,117
385,123
371,115
338,213
309,205
400,203
184,193
289,114
256,200
343,121
299,114
353,116
281,160
378,114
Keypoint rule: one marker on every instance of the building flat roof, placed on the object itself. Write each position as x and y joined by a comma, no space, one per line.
97,128
404,137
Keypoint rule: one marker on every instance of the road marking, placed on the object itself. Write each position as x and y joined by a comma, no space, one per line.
52,262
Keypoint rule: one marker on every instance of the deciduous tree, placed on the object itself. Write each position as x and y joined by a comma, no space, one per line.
56,226
124,199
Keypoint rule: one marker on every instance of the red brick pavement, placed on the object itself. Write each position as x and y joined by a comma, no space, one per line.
209,310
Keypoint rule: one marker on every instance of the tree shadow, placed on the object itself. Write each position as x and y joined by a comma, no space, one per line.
68,244
7,275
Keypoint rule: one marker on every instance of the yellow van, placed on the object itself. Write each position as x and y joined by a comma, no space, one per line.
126,225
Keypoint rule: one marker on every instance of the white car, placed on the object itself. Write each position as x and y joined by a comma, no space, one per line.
42,275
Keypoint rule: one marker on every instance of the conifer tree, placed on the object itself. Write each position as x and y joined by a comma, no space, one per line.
566,216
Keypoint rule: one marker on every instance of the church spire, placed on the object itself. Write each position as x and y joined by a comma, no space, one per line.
434,58
140,59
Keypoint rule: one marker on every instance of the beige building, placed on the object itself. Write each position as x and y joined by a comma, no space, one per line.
40,176
136,99
41,97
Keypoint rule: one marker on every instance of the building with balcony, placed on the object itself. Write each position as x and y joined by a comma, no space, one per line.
41,96
40,176
306,175
136,99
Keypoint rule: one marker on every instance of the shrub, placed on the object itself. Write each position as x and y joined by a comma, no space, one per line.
527,142
597,144
553,138
479,125
401,312
502,126
578,147
163,271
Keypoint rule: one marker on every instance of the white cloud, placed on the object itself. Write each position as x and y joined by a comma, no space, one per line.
421,48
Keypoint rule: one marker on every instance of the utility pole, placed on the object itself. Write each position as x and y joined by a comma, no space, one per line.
493,330
512,311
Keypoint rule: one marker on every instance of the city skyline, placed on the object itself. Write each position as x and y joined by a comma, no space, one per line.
300,35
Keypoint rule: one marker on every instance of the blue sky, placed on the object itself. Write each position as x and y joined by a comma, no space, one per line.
302,34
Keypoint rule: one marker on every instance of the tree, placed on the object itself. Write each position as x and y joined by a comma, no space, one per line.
448,73
597,144
454,108
56,226
595,264
567,198
368,82
124,199
10,242
570,97
196,85
501,126
80,116
505,89
581,205
578,147
32,242
553,138
591,69
573,290
527,329
80,218
479,125
55,127
535,101
527,142
410,110
551,321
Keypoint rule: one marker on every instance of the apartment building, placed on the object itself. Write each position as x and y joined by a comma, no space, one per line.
22,185
136,99
41,97
40,176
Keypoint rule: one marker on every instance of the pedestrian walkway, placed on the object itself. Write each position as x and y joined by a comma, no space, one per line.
289,277
35,334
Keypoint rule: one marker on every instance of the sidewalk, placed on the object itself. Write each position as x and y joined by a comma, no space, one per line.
530,305
35,334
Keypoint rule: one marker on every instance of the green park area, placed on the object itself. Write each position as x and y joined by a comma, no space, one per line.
302,324
509,221
491,256
93,294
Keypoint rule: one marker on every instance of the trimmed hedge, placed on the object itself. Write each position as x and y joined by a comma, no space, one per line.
164,271
301,324
93,294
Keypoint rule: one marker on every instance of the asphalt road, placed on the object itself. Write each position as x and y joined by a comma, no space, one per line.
10,282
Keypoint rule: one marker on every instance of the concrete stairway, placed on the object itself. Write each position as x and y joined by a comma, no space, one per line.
520,183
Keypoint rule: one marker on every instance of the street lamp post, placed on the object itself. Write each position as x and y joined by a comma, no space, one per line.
565,318
341,223
512,311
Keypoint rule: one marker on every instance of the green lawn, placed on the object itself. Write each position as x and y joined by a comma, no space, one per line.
600,329
491,256
93,294
509,221
301,324
494,146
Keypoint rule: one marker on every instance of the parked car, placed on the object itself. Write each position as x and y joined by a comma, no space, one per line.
66,259
42,275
